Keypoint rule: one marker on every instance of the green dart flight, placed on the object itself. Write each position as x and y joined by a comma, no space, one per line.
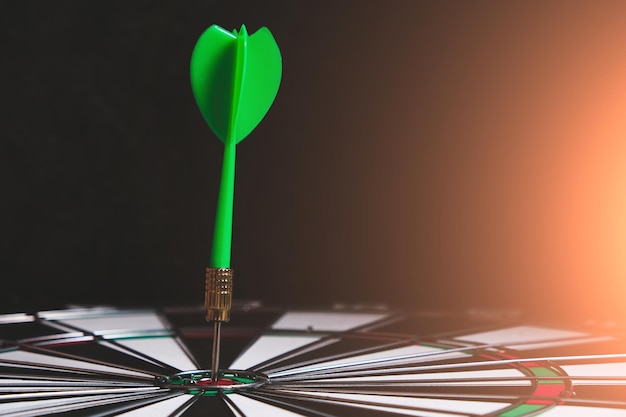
234,78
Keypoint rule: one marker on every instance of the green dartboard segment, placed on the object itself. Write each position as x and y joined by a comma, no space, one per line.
234,79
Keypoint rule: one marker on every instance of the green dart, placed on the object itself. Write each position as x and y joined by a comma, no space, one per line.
235,79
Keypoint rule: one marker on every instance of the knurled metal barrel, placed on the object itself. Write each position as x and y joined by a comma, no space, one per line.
218,298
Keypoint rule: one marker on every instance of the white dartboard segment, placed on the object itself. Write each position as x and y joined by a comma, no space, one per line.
163,349
325,321
167,407
37,359
270,346
252,407
104,323
524,336
493,377
64,403
388,357
410,405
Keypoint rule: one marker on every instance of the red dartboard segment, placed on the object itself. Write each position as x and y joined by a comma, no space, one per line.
341,362
549,387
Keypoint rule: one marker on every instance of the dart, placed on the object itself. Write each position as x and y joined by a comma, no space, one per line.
234,79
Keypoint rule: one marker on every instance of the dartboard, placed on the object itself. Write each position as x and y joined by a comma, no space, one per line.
343,361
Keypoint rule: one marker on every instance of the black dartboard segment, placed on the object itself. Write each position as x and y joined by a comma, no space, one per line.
340,362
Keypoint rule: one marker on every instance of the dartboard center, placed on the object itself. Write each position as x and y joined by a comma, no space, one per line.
202,382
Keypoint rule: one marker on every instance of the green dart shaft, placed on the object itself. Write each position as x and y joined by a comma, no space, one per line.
223,231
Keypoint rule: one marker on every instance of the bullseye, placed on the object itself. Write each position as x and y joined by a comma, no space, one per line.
208,382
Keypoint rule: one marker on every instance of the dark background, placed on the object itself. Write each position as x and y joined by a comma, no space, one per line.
422,154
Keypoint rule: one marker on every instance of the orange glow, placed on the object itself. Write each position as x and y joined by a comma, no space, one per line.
487,170
527,200
590,223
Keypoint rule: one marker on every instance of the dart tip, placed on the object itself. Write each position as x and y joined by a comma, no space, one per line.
215,359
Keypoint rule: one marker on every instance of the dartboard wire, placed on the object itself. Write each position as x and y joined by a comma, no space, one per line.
331,371
69,379
167,369
275,400
280,390
11,318
429,382
233,407
134,405
91,380
565,399
165,332
311,347
49,337
383,362
593,403
373,327
326,341
375,363
73,370
76,393
403,342
54,353
61,325
404,381
78,403
44,385
386,321
394,389
504,399
350,402
511,402
295,369
179,410
65,329
170,368
50,384
378,348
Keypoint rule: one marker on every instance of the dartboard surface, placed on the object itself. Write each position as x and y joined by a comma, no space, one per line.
336,362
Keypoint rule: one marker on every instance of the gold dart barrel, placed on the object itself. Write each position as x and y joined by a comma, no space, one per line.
218,298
